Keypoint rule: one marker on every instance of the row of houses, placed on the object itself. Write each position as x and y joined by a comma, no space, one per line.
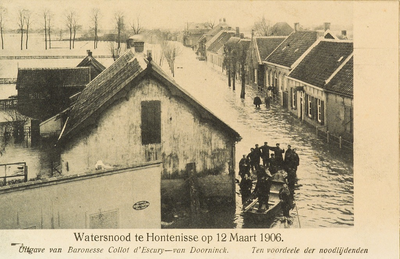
309,72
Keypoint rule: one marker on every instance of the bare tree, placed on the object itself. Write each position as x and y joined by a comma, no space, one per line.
136,27
210,24
119,19
95,20
50,16
3,12
70,25
21,25
27,23
170,50
75,28
45,15
262,27
114,51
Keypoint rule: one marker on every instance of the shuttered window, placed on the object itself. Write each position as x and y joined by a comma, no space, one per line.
151,122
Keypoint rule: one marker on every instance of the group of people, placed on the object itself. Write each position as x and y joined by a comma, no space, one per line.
279,159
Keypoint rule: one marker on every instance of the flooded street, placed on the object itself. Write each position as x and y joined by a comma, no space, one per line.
325,197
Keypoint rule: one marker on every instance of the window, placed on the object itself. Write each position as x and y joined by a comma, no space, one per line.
319,110
151,122
309,106
294,98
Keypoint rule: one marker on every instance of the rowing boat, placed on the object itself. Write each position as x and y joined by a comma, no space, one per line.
252,211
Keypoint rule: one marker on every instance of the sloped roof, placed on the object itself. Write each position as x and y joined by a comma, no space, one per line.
292,48
52,77
219,27
281,29
111,85
342,82
266,45
218,41
90,61
245,43
322,61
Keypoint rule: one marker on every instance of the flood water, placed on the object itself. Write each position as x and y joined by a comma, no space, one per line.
325,197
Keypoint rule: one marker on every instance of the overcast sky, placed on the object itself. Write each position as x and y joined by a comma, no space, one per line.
174,14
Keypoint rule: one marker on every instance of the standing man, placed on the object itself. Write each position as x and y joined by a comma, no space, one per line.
257,155
288,158
262,190
244,167
245,188
251,158
278,155
265,154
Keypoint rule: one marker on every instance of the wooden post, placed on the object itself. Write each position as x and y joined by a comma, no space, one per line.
25,172
193,191
327,136
5,175
340,141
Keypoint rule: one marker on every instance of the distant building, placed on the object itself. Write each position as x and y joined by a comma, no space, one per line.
201,45
322,67
283,59
193,32
281,29
215,48
95,66
259,49
44,92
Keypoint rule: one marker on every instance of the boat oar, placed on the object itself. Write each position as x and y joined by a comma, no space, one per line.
250,205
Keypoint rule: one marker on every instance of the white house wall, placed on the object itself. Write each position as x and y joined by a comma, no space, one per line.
116,138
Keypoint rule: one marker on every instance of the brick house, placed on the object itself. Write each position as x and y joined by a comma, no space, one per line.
308,80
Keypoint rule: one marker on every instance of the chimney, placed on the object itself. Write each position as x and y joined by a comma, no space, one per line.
242,35
344,33
149,57
327,26
139,46
220,20
237,32
224,20
89,53
296,26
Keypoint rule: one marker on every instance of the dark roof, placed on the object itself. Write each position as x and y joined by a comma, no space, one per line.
292,48
232,42
245,43
342,82
322,61
52,77
217,28
111,85
218,41
281,29
266,45
90,61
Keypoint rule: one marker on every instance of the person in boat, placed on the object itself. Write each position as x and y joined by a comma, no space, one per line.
265,154
286,200
244,166
245,187
262,191
257,101
278,154
273,165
